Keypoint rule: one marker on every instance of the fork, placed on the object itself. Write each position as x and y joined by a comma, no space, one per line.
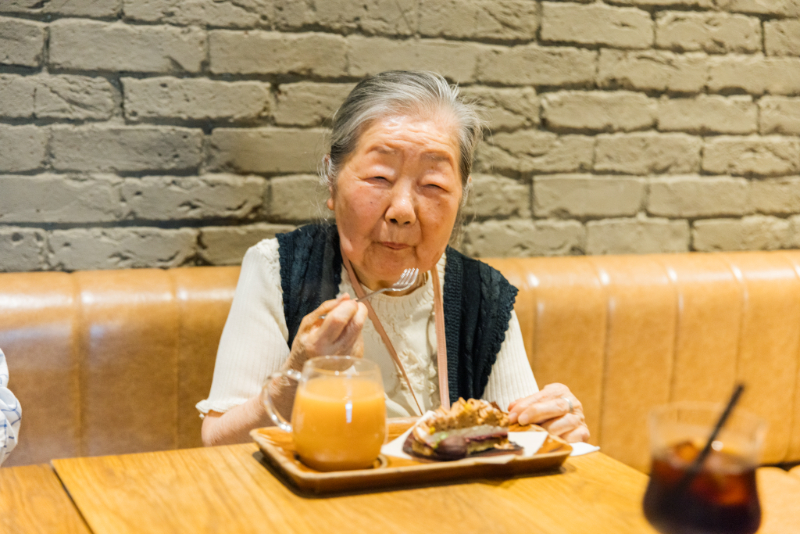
407,279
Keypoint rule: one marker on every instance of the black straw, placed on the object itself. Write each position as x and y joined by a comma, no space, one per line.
695,467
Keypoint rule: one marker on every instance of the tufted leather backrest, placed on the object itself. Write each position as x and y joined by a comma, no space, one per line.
627,333
108,362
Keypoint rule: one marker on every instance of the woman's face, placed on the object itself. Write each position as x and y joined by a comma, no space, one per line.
397,196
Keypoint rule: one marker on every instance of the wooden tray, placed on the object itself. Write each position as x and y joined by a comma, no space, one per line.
279,451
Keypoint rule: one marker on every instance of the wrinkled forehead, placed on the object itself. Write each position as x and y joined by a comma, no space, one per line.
435,134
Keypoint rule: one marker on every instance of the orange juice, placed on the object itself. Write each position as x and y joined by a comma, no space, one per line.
339,422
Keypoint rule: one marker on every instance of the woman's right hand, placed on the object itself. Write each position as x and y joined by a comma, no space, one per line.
339,333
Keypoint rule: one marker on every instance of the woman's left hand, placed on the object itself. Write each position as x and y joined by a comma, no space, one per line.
555,409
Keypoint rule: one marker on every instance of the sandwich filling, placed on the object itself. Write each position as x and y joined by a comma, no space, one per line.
469,427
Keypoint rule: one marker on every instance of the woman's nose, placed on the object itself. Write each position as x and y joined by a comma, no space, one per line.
402,209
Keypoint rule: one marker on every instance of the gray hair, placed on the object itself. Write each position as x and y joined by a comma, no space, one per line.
400,92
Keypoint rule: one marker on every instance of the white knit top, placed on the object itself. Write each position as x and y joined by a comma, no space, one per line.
254,342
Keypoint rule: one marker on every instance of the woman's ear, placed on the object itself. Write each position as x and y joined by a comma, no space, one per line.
328,178
466,191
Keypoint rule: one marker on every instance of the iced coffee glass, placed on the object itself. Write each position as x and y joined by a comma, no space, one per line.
722,497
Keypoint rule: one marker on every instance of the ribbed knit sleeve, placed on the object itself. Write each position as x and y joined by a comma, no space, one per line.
254,340
511,377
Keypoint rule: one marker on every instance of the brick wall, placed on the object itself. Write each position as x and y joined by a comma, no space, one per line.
161,133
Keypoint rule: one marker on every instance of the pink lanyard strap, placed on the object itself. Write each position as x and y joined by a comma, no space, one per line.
441,342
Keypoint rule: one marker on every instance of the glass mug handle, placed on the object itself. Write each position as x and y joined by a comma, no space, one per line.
266,398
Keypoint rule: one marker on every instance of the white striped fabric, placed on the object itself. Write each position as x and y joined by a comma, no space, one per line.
10,413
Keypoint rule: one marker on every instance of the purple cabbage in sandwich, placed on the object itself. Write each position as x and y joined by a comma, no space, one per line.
472,427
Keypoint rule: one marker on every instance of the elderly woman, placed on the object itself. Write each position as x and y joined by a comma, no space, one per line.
398,172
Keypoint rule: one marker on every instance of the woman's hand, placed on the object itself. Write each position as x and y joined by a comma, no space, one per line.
339,333
555,409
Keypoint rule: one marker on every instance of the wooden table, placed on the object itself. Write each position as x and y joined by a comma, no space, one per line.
228,489
32,500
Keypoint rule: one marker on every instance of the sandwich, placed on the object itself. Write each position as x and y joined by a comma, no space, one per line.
469,428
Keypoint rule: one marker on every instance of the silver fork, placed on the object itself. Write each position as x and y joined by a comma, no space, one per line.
407,279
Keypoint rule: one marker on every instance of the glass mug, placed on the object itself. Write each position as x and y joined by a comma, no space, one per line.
339,413
722,497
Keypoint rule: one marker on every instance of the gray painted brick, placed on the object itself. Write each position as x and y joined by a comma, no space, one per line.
21,249
479,19
596,24
309,104
537,65
793,239
636,236
297,198
787,8
16,96
498,196
210,196
20,6
698,196
21,42
225,13
571,195
195,99
56,97
74,97
755,74
598,111
265,150
535,151
121,248
79,8
126,149
226,245
765,156
716,33
370,17
260,52
52,198
708,114
86,8
24,147
780,115
757,232
648,153
651,70
99,46
505,109
780,196
661,3
782,37
523,238
455,60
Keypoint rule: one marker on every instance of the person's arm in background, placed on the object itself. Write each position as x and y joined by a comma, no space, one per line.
10,413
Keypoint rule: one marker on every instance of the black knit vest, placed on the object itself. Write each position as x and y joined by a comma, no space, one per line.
478,302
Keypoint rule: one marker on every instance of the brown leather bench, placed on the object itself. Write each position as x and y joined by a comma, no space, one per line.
109,362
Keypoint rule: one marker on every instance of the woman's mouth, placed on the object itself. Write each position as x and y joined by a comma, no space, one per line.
394,246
